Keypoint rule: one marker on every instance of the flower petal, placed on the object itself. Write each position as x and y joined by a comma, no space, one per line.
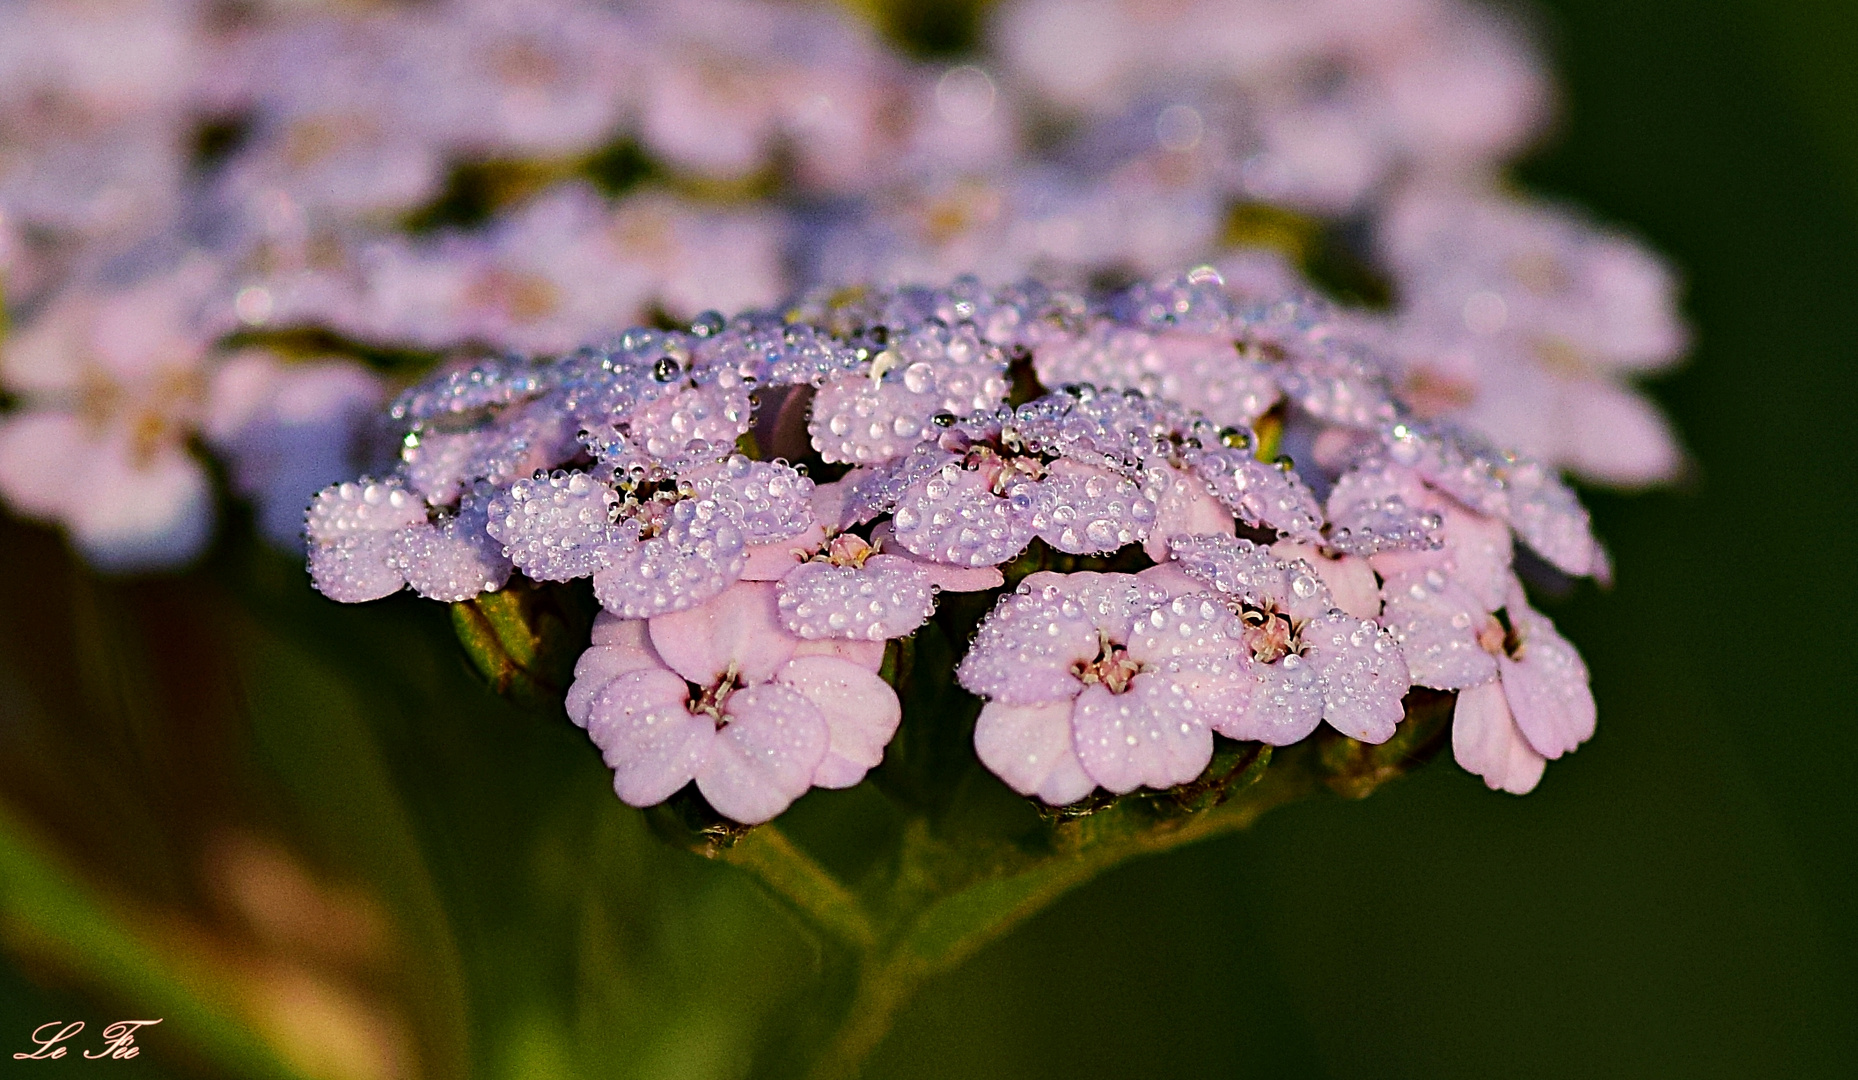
739,628
774,560
40,453
1030,747
868,655
1025,650
356,568
765,756
1614,435
861,713
599,666
1087,509
1363,675
1487,742
1436,621
1350,579
1153,735
610,629
1285,704
653,744
126,513
1547,689
887,597
1187,508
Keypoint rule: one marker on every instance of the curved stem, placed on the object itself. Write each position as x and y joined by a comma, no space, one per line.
938,930
809,888
882,990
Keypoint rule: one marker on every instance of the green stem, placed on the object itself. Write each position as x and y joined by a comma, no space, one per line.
809,888
954,927
946,898
938,930
881,991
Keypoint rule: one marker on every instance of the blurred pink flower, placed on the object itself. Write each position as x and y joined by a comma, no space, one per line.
1525,322
113,382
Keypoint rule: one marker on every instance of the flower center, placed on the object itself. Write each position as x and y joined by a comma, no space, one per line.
649,503
1499,637
1253,349
1113,667
847,549
710,702
1270,634
1002,469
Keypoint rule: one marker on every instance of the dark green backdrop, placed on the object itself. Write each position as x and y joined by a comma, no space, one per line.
1678,899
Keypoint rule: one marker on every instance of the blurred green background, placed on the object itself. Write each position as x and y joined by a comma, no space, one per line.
1678,899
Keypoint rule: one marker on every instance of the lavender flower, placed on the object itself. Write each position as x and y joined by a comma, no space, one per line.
113,384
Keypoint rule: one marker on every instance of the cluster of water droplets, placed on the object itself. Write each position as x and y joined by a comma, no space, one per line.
887,597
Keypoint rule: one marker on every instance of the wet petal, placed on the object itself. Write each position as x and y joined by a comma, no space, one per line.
861,713
952,516
700,554
887,597
1436,622
1363,675
599,666
1153,735
1187,508
1260,494
557,527
765,756
1350,579
1087,509
1487,742
1030,747
649,739
355,569
1026,649
1285,704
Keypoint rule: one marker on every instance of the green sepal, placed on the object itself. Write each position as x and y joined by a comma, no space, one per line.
1355,769
525,638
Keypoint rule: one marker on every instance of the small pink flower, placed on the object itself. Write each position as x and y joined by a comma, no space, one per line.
1308,661
854,588
1101,679
722,695
1539,706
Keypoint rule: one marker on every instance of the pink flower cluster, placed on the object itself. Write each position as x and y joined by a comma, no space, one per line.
241,229
763,504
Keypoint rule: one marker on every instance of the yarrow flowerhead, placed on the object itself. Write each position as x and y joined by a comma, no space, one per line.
770,506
